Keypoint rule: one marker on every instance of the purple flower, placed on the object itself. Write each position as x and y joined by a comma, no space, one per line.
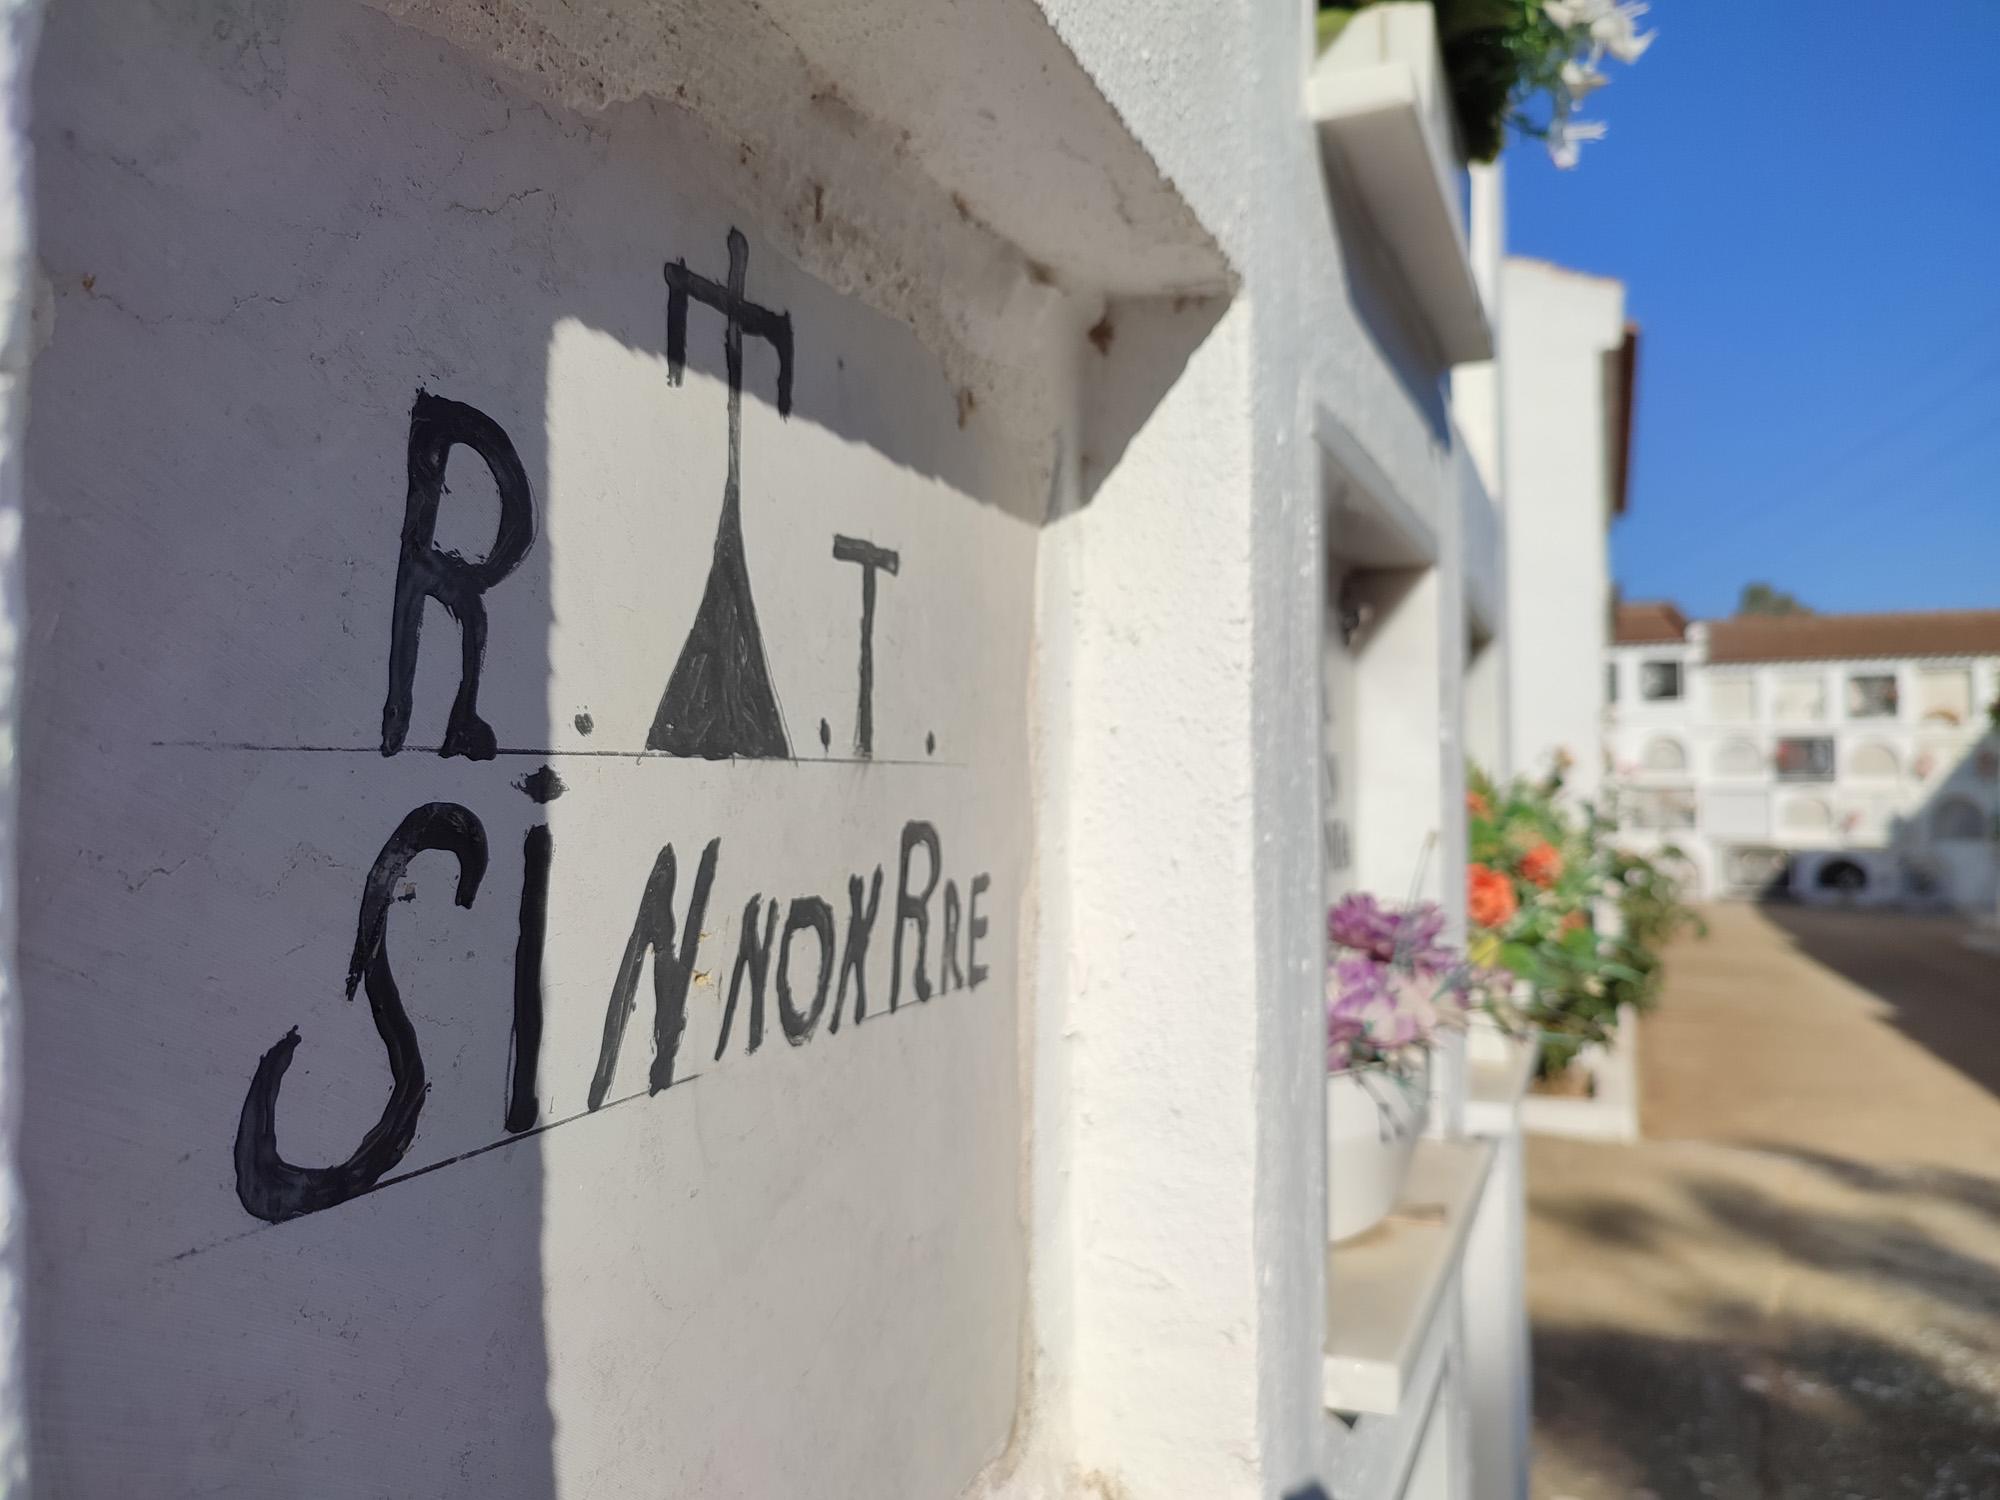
1399,1030
1359,922
1391,980
1345,1042
1409,937
1359,984
1420,927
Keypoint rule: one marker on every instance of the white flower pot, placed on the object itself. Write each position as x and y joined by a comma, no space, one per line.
1373,1119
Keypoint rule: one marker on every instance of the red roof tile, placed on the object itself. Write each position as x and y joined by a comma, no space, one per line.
1747,638
1652,622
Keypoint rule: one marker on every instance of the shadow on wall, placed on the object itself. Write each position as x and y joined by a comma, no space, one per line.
1383,305
1950,845
1131,356
211,575
1138,350
1879,1385
224,446
1943,854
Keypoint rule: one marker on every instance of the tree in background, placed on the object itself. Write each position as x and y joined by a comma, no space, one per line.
1763,599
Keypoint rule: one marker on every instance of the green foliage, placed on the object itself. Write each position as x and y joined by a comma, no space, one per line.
1498,56
1497,53
1763,599
1330,22
1539,877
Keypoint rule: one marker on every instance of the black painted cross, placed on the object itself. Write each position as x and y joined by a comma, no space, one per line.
719,702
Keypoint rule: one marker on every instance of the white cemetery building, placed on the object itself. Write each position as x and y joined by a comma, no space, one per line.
1845,757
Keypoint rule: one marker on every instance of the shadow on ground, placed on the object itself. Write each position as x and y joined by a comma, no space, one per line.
1944,996
1880,1244
1791,1289
1918,1183
1835,1414
1762,1325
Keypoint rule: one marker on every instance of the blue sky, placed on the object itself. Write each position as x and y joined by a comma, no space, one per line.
1804,201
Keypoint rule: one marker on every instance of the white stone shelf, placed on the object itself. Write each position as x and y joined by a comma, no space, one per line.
1498,1071
1611,1112
1379,100
1384,1290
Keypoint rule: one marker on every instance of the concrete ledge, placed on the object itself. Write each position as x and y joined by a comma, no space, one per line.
986,102
1612,1113
1385,1289
1378,99
1371,521
1498,1069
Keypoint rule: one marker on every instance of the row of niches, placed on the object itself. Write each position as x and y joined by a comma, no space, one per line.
1954,819
1957,818
1932,695
1815,758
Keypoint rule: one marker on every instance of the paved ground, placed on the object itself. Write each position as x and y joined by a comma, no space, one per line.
1792,1288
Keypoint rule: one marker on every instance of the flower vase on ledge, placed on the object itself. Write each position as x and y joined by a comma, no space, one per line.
1373,1118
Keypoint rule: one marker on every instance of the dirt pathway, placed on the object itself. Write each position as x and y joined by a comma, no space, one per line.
1792,1288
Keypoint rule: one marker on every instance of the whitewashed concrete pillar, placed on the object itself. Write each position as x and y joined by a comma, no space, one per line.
19,278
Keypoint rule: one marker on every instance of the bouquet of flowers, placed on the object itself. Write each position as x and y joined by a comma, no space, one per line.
1538,875
1391,983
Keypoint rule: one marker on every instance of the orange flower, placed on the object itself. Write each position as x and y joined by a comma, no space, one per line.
1489,896
1478,806
1541,866
1571,922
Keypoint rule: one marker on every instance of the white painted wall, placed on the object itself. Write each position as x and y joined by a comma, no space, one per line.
1475,388
1197,1209
25,309
802,1269
1498,1351
1560,326
1063,1233
1399,817
1486,710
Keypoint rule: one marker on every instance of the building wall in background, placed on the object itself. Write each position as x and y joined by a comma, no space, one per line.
1754,763
1558,388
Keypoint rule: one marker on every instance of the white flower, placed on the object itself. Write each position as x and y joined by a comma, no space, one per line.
1581,79
1566,137
1613,31
1567,13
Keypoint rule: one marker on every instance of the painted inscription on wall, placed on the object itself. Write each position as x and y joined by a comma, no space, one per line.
802,960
